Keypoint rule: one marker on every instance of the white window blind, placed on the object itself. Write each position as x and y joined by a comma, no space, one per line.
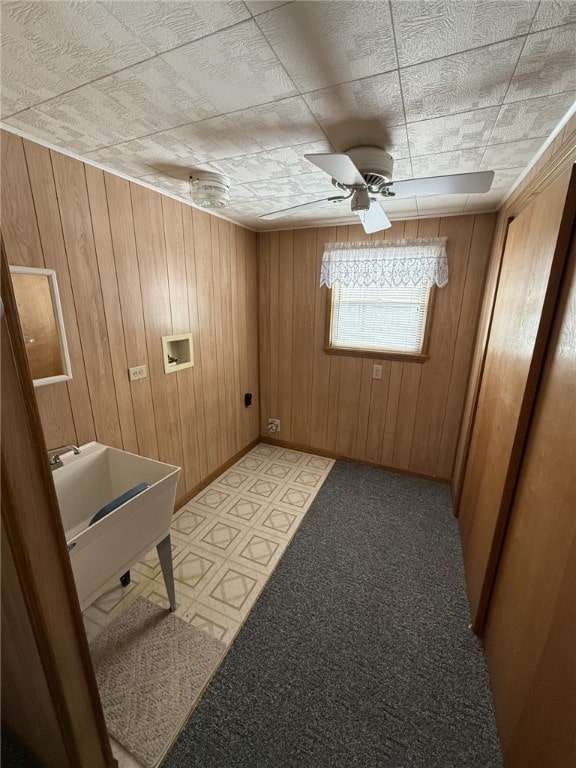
388,319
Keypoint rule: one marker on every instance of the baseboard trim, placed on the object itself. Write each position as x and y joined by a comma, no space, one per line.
213,475
342,457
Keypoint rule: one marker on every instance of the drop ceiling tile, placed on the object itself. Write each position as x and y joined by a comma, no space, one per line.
276,163
510,154
439,204
459,83
489,201
322,44
448,163
556,47
49,48
273,203
311,184
160,151
261,6
428,30
371,106
448,134
178,187
553,13
333,216
163,24
233,70
154,90
281,123
120,158
531,119
399,208
81,121
505,178
402,169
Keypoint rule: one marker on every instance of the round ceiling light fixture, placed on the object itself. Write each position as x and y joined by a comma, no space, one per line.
210,190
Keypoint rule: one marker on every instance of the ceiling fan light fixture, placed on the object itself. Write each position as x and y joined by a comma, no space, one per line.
210,190
360,200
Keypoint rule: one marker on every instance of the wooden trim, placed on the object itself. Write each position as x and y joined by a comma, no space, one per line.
35,538
342,457
213,475
374,353
405,357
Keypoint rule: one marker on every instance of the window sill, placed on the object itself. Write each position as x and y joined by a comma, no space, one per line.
404,357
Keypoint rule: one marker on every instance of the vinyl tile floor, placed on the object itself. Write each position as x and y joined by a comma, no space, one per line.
226,543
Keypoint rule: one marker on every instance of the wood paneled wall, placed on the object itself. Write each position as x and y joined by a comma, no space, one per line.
410,418
132,266
559,156
530,635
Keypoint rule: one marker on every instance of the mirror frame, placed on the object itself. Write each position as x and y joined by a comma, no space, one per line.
57,306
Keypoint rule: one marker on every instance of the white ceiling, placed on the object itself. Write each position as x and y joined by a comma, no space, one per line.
154,90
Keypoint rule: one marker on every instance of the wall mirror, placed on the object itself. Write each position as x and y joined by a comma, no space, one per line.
40,311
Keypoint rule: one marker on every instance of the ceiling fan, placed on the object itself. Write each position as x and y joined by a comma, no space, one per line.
365,175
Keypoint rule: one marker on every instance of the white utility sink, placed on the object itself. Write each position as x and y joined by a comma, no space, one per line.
106,549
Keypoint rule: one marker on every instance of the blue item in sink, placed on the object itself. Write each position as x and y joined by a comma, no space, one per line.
118,501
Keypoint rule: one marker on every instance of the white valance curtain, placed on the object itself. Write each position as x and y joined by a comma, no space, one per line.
385,263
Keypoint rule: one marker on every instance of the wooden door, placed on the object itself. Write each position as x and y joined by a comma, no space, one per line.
530,635
50,702
533,260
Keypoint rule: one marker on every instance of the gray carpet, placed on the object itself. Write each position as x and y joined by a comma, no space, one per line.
358,652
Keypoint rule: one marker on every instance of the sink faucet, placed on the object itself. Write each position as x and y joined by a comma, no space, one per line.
54,455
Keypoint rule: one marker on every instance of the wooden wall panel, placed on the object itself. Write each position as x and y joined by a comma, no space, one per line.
199,427
20,234
62,416
72,194
410,418
432,401
130,295
251,340
111,301
530,636
531,271
320,362
561,154
285,312
302,330
180,310
133,266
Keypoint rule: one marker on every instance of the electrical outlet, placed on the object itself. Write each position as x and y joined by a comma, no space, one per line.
138,372
376,371
273,426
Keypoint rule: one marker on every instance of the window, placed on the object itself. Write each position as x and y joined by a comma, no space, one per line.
391,319
381,296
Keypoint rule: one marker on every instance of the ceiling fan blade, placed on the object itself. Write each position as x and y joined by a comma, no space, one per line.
460,183
340,167
301,207
374,219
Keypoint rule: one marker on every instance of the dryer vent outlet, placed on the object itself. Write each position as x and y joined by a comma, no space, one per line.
273,426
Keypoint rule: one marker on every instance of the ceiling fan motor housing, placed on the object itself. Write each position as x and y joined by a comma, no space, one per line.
375,165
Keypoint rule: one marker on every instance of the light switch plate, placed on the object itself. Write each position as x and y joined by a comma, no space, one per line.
376,371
